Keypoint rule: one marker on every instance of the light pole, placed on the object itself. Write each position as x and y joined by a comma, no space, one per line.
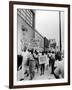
60,29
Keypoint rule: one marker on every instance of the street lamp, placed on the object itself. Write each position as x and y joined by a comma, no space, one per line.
60,29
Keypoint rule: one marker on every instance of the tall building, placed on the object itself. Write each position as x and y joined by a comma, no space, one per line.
46,44
25,28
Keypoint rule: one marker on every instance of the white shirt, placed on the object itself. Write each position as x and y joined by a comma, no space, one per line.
25,56
59,67
59,64
47,59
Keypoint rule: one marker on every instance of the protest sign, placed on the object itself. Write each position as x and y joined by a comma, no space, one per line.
42,59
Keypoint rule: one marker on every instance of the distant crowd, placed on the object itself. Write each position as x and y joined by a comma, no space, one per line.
30,63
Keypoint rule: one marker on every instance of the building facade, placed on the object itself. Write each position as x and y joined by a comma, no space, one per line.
27,36
40,40
46,44
25,28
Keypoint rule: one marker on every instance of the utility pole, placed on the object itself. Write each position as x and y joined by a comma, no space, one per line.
60,29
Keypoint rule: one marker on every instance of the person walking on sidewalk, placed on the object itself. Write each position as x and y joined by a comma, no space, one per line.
42,66
31,64
36,60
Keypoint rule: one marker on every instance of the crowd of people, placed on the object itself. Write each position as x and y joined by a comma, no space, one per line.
31,65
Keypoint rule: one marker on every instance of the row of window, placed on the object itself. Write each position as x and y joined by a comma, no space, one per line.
27,15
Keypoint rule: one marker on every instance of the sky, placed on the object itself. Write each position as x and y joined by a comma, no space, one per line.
47,24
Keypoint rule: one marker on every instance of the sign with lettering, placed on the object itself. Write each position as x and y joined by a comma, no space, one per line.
34,43
42,59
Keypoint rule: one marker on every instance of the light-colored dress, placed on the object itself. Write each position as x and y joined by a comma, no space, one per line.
59,71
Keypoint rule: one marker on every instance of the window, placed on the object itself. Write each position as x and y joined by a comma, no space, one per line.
27,15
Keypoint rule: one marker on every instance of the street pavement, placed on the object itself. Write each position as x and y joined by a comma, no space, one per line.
46,76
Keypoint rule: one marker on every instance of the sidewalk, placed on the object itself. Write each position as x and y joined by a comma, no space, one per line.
37,76
46,75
